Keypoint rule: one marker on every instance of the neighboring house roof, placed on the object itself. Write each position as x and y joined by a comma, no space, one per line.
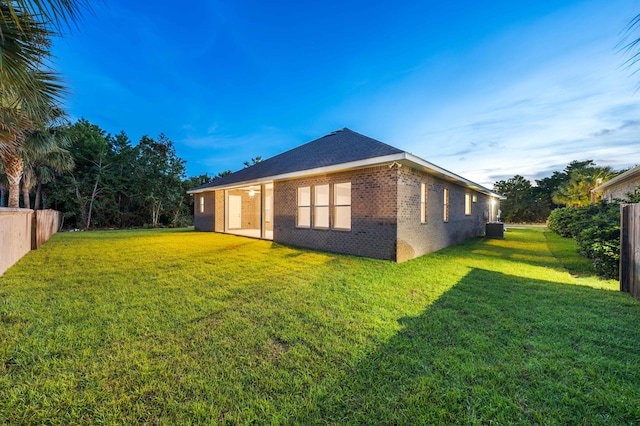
339,150
626,176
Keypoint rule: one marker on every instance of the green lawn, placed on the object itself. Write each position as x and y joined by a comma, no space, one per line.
181,327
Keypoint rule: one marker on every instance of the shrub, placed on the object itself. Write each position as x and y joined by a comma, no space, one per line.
560,219
596,228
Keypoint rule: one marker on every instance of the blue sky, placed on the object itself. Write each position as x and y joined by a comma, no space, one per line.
484,89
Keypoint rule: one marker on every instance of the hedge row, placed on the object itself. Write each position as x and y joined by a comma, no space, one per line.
596,228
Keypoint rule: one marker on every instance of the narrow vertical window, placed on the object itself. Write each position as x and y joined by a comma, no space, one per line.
446,205
268,214
423,202
321,206
474,198
342,205
304,207
202,204
467,204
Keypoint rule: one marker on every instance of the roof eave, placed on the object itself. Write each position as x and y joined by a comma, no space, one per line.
402,158
620,178
368,162
413,161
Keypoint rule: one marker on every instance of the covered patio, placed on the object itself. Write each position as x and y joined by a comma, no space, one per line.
249,211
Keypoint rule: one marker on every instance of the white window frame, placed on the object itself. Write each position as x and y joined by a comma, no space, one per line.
201,203
424,203
303,205
445,204
340,207
321,207
467,204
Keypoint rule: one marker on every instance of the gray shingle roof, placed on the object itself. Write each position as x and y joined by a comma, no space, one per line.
341,146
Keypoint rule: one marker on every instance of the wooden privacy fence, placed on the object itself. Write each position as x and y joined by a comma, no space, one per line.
22,230
45,224
630,249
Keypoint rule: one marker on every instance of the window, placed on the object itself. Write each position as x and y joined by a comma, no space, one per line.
423,202
268,214
446,205
321,206
474,198
467,204
304,207
342,205
202,204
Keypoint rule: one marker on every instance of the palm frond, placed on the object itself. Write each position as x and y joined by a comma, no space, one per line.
30,92
57,13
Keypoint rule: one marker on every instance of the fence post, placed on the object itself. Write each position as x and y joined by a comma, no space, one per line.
624,247
633,247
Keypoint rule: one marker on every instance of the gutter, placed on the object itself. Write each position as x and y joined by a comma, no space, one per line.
400,158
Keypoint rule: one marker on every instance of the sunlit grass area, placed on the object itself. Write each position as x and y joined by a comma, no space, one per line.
181,327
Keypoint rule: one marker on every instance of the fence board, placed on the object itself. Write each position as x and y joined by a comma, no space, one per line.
22,230
630,249
45,224
15,236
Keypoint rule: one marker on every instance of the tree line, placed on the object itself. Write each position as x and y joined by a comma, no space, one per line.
570,187
107,182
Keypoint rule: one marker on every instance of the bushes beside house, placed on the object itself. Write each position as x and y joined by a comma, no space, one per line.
596,228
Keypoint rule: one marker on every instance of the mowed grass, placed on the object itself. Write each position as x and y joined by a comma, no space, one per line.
181,327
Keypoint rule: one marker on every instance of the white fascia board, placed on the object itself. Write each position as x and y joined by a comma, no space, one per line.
242,184
624,176
401,158
420,164
302,173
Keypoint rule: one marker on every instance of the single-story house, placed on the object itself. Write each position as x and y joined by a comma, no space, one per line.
618,187
347,193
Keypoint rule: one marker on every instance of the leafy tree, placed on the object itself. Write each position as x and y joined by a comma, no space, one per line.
522,203
77,193
222,174
253,162
120,206
160,172
544,190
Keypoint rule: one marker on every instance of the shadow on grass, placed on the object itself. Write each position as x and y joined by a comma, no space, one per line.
516,247
498,348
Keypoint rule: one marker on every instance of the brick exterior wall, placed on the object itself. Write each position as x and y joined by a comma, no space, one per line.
385,214
416,238
204,221
373,214
219,211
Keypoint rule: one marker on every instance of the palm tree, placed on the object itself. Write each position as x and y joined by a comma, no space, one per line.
29,92
44,154
56,12
4,184
26,27
577,190
631,48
